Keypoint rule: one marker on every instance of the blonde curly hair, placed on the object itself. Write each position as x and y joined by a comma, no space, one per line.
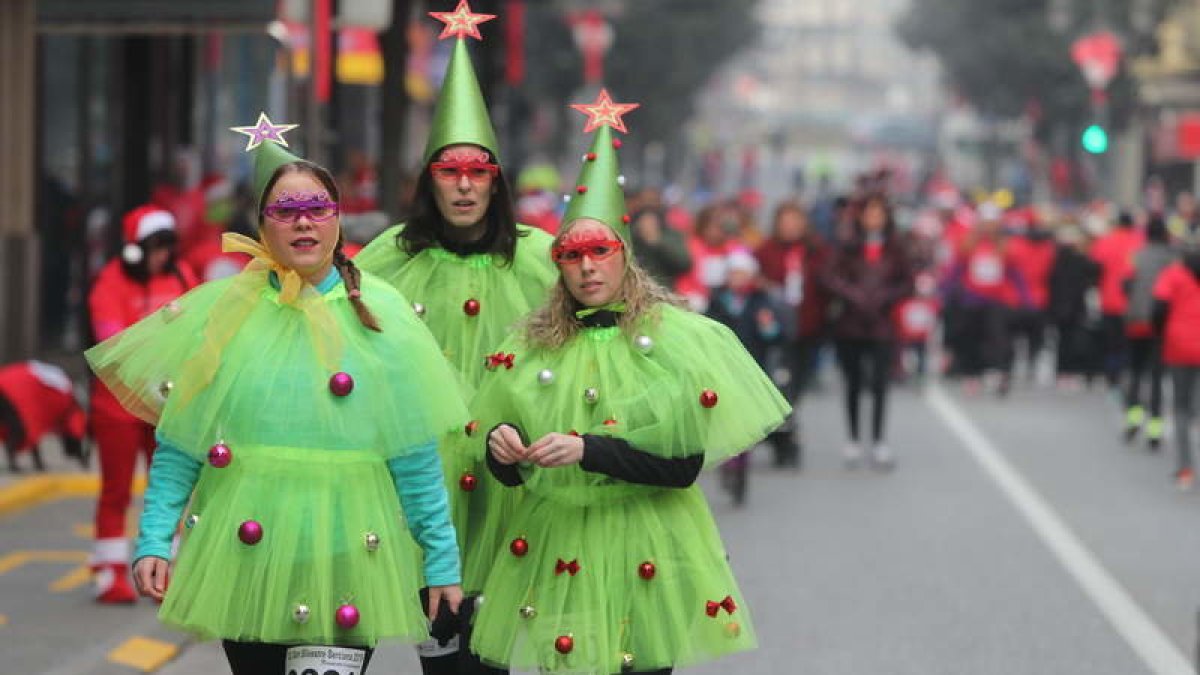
554,323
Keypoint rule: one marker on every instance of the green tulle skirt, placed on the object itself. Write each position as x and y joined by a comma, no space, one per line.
651,587
319,513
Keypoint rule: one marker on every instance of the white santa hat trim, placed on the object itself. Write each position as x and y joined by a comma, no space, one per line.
155,221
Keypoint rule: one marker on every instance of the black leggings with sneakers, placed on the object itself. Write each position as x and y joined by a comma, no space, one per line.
865,362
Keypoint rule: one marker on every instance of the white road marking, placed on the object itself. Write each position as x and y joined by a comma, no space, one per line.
1159,653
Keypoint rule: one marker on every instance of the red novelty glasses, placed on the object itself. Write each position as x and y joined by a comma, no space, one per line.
571,253
453,171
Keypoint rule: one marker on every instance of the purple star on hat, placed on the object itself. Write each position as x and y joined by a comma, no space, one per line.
264,130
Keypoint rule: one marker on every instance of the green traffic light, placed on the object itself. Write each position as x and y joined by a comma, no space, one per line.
1095,139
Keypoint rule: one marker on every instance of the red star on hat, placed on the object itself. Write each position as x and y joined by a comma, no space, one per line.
461,22
605,113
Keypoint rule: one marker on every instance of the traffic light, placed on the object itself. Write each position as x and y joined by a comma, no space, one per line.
1095,139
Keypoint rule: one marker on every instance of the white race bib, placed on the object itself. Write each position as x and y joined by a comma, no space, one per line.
986,270
325,661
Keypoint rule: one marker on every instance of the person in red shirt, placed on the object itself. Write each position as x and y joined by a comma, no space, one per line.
1114,252
36,400
1033,255
1177,318
986,286
791,261
142,279
916,318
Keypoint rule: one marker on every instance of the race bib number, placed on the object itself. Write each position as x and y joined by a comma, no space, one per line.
986,270
918,318
430,649
325,661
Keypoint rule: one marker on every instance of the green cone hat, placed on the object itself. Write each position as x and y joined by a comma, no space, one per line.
268,146
598,193
268,157
461,116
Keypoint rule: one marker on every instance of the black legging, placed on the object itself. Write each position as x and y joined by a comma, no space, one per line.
852,354
1115,346
262,658
1144,356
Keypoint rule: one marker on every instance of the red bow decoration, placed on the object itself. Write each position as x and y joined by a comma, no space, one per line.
711,608
571,568
498,359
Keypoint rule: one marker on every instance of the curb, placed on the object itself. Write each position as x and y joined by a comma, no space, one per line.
29,492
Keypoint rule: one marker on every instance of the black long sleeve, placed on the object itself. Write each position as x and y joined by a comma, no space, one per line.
617,458
507,474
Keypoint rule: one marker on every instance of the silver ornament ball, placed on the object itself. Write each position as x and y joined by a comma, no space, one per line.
192,520
545,376
621,180
528,612
419,309
644,343
371,541
301,613
591,395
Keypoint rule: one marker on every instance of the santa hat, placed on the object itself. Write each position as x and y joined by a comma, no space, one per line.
742,260
138,225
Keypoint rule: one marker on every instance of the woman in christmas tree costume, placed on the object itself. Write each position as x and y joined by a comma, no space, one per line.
616,399
471,271
303,426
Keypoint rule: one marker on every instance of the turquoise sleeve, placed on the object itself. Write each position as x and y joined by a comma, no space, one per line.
419,482
172,477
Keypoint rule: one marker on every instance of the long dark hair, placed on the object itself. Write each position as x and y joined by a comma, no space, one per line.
140,270
424,225
351,277
889,225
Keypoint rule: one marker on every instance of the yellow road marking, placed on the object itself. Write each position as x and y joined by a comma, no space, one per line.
16,559
36,490
84,530
143,653
72,580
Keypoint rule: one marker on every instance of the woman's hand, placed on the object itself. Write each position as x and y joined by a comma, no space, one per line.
451,595
555,449
505,445
150,576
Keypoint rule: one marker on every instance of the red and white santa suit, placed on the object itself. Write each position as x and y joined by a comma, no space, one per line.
44,402
118,300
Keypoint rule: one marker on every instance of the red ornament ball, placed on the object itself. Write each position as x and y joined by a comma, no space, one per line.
471,427
250,532
564,644
591,157
617,143
468,482
625,218
708,398
519,547
341,384
347,616
647,570
220,456
471,307
581,189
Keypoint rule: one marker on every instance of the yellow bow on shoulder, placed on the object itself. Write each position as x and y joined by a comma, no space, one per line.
290,281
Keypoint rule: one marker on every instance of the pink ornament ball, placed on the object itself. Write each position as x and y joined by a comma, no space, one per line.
341,384
219,456
250,532
347,616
